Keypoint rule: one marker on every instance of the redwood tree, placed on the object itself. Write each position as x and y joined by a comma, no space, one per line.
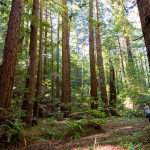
112,89
100,59
57,81
30,81
144,12
39,73
66,83
7,68
92,58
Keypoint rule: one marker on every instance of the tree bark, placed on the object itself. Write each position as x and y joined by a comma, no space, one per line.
30,81
112,90
100,60
39,73
144,12
7,68
57,81
45,50
92,58
66,83
52,60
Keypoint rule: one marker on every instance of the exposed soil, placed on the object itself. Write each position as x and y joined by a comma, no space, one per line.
114,129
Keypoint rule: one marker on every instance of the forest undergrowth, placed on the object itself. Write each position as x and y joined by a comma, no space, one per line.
125,133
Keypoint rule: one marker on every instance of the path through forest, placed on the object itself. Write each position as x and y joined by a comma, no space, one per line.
114,129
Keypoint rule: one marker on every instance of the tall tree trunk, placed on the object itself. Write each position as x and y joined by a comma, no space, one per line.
52,61
57,82
45,50
39,72
130,57
112,90
144,12
30,81
66,83
7,68
92,58
100,59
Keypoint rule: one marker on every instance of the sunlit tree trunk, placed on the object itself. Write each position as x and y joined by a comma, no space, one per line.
92,58
30,81
39,72
144,12
7,67
66,83
100,59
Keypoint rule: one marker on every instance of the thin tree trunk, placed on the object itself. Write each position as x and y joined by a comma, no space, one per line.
100,60
121,58
45,50
52,61
39,72
7,68
92,58
82,70
112,90
30,81
130,57
57,82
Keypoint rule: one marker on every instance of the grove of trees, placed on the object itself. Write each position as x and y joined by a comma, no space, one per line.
60,57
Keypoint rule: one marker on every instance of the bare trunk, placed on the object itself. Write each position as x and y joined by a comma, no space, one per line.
57,84
144,11
30,81
7,68
112,90
92,58
66,83
52,87
100,60
39,72
45,50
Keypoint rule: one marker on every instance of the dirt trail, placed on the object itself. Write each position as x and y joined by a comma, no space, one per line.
112,130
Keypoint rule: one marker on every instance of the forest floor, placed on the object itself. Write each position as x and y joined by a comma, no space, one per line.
113,137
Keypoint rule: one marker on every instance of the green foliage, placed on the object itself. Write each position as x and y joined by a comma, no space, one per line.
13,129
74,129
96,113
132,113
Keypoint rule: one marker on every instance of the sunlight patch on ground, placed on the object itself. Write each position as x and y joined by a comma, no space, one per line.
103,147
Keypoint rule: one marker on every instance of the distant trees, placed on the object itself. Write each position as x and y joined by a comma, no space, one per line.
7,68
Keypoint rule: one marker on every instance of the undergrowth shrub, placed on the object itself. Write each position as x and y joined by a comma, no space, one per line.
74,130
132,113
13,128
